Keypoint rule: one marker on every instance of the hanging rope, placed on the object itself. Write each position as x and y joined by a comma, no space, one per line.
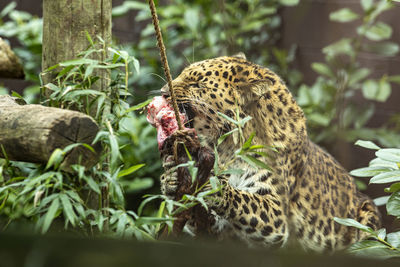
164,61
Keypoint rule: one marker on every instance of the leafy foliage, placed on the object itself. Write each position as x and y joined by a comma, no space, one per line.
329,103
27,29
91,200
384,169
199,29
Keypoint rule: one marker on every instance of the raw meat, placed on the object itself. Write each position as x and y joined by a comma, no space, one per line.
161,115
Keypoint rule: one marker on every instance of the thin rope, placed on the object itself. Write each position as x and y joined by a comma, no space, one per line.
164,61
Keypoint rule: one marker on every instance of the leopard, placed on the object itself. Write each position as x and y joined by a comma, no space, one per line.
292,204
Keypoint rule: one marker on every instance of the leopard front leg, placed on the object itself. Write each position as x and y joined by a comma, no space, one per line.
258,214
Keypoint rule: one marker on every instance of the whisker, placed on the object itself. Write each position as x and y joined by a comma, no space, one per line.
193,51
154,92
187,63
159,76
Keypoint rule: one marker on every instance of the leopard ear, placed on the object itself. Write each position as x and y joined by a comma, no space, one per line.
240,55
253,92
257,88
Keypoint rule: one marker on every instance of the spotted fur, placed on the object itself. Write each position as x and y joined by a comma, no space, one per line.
297,201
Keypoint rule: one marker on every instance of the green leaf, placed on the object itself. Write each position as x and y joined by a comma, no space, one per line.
46,201
121,224
372,249
130,170
52,87
393,188
100,222
394,238
379,8
151,220
370,89
144,202
255,162
343,46
384,91
319,119
389,154
377,91
387,177
353,223
358,75
393,204
214,182
247,144
304,97
89,38
191,17
383,48
114,151
228,118
244,121
381,233
64,71
378,32
367,4
224,136
136,65
369,171
88,71
289,2
191,167
380,201
367,144
93,185
201,200
55,159
79,61
7,9
81,211
383,163
73,195
67,208
322,69
343,15
216,160
15,94
78,92
50,215
70,147
127,6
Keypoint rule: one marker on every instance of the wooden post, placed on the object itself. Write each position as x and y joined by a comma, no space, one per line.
65,23
32,132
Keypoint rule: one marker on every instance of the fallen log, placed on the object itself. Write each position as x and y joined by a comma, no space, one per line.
10,67
31,133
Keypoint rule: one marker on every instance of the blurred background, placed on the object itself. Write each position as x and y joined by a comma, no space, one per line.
340,58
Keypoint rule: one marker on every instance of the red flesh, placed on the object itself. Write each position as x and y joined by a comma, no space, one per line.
161,115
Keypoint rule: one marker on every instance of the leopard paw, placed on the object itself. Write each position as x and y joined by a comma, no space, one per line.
169,179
